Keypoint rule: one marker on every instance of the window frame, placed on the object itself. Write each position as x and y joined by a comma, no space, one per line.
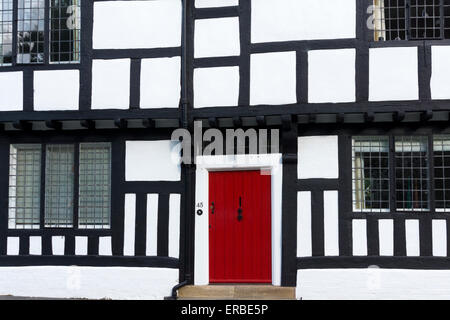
408,28
47,42
392,167
76,187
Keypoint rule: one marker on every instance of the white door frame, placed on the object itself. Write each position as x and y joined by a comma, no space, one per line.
205,164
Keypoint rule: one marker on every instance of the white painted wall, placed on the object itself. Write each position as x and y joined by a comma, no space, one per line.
216,87
88,282
331,75
111,84
81,246
160,83
105,246
137,24
11,96
440,77
412,238
35,245
273,78
215,3
152,225
386,237
393,74
318,157
331,222
152,161
359,237
58,244
373,284
304,231
439,231
286,20
129,226
56,90
217,37
174,225
12,246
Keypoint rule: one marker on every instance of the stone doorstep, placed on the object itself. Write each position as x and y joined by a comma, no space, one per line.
236,292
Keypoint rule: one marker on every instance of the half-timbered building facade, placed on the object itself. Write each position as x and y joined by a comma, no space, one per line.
348,199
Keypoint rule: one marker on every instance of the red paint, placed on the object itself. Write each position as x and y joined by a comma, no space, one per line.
240,250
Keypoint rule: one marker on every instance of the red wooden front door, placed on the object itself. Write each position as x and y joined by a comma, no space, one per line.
240,227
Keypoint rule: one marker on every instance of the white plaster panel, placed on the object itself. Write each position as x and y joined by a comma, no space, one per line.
160,83
81,246
58,243
217,37
129,225
11,94
215,3
273,78
393,74
216,87
331,222
318,157
440,78
373,284
386,236
105,246
35,245
56,90
359,236
412,238
12,246
304,237
287,20
137,24
439,238
88,282
152,225
174,225
152,161
331,76
111,84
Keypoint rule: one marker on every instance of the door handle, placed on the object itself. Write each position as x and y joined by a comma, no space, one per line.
213,207
240,217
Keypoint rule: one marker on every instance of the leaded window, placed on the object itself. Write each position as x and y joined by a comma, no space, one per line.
42,182
411,19
24,186
412,173
441,159
370,174
46,32
95,185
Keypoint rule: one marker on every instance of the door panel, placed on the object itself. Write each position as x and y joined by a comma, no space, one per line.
240,244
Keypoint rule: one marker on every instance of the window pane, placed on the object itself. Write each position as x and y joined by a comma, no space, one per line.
59,180
389,20
65,31
411,172
425,20
370,174
441,153
24,186
95,185
30,31
6,32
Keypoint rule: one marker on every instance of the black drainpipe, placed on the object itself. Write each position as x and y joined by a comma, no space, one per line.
184,117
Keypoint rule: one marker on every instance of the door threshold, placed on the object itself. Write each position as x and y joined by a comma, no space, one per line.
236,292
